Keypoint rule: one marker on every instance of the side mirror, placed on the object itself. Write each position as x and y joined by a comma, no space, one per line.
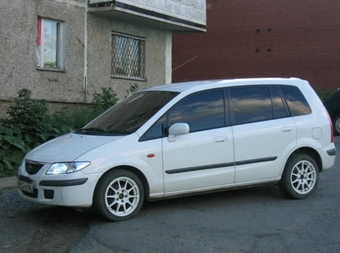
178,129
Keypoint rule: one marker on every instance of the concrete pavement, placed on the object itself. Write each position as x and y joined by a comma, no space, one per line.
8,182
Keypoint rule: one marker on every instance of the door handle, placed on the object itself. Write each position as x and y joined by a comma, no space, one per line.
286,129
220,139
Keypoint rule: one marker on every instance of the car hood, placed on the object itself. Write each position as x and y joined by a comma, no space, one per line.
68,147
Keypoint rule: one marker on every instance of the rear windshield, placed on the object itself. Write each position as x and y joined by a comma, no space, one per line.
128,115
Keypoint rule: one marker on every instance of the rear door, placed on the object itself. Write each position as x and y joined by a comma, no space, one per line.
264,132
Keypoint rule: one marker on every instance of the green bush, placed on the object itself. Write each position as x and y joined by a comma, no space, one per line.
12,149
323,94
104,100
78,116
29,124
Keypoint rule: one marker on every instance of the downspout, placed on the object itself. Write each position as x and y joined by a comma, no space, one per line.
168,57
85,55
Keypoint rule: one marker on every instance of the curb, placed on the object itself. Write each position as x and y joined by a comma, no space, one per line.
8,182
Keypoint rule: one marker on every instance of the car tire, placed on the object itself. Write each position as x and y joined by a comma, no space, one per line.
336,125
119,195
300,177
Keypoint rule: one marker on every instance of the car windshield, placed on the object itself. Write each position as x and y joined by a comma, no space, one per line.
128,115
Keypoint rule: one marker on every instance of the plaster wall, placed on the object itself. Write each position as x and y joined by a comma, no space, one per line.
88,52
157,59
18,27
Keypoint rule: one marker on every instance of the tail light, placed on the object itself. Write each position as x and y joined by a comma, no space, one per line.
332,129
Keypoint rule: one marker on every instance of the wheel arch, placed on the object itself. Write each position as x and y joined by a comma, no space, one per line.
135,171
308,151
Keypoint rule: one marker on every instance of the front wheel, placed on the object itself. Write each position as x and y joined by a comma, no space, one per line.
119,195
300,177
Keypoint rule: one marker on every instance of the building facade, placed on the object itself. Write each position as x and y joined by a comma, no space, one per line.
63,51
266,38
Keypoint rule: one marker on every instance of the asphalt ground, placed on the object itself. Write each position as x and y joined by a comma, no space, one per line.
252,220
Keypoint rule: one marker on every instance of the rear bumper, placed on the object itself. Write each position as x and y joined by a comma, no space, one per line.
328,156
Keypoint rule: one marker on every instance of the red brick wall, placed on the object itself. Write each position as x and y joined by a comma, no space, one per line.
262,38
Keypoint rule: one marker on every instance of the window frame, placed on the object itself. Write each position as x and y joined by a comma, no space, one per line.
126,59
60,45
276,89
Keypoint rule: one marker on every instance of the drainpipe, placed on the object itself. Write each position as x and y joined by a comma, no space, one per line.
85,55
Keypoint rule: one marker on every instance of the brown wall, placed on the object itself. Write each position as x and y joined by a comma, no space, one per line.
281,38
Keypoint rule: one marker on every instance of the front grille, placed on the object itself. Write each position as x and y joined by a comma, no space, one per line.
33,167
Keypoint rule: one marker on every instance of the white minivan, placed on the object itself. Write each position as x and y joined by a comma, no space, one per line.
186,138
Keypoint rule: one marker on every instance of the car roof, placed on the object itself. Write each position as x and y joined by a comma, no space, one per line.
208,84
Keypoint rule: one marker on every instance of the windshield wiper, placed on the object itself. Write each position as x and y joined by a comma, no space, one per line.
90,130
97,130
119,131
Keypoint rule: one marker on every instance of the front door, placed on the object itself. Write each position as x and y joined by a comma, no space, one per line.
203,158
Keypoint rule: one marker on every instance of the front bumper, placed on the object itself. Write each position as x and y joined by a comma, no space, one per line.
74,189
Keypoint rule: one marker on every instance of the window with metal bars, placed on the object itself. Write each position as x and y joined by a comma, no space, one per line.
128,57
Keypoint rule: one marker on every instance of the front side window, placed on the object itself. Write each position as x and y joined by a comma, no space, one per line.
50,51
128,57
201,111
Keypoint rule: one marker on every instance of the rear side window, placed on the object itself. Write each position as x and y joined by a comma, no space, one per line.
296,102
251,104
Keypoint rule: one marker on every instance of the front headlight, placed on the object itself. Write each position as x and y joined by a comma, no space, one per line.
65,168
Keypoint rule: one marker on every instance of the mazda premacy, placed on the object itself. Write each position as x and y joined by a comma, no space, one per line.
186,138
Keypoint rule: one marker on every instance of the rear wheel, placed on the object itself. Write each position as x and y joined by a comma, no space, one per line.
119,195
300,177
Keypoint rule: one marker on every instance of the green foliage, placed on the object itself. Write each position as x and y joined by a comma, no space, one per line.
77,117
132,89
29,124
33,120
323,95
12,149
104,100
